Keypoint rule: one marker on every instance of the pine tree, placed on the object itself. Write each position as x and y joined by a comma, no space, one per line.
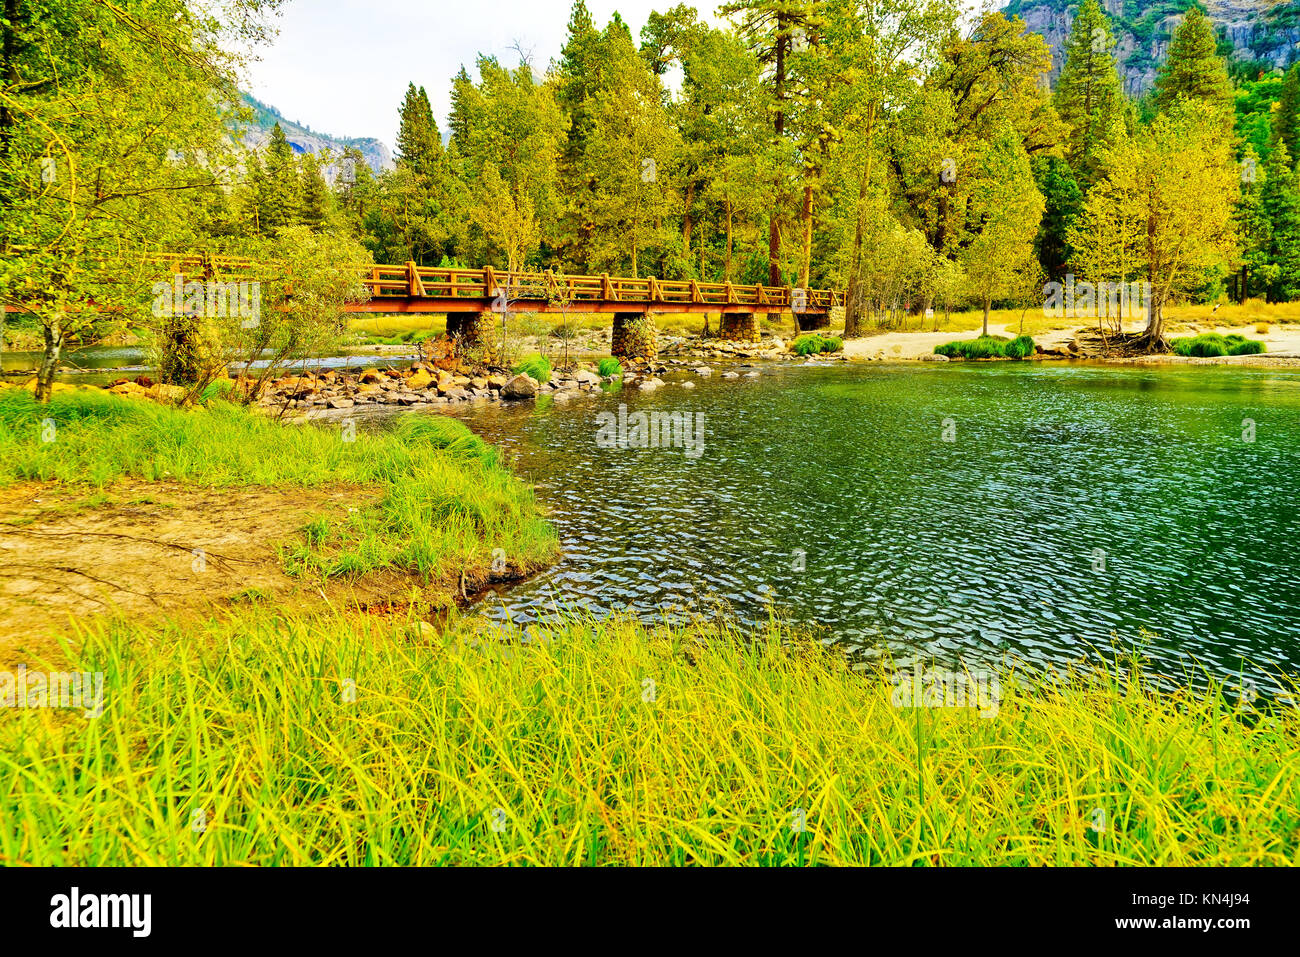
1286,119
419,145
462,109
275,186
1089,96
315,195
1280,206
1254,231
1194,68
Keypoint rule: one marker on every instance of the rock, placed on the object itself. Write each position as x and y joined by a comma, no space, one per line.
751,375
704,371
496,381
566,395
341,403
479,383
933,357
419,380
584,375
688,384
520,387
368,375
649,385
731,375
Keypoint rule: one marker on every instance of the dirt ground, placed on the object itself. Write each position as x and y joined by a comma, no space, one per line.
143,549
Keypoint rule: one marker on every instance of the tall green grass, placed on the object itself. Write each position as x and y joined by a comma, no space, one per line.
616,743
814,344
539,367
1212,344
988,347
447,502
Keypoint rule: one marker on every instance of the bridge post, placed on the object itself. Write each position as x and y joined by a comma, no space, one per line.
635,336
740,327
466,329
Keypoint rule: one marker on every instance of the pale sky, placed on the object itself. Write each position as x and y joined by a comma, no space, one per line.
341,66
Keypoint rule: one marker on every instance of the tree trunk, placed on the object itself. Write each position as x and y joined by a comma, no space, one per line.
778,125
49,361
730,211
805,262
688,224
987,304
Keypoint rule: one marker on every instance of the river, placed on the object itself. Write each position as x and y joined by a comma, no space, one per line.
962,513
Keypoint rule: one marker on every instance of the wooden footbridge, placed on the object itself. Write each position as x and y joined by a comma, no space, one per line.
471,297
466,296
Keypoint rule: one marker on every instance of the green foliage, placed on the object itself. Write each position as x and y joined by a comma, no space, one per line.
447,500
1212,344
249,712
609,367
811,345
988,347
538,367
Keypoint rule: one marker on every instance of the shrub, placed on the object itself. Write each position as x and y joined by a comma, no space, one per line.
539,367
1212,344
609,368
814,344
988,347
1021,347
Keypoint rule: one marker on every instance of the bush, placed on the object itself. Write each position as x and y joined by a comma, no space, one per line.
538,367
1212,344
1021,347
988,347
816,345
609,368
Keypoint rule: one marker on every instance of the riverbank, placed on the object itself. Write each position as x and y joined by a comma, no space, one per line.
113,505
360,740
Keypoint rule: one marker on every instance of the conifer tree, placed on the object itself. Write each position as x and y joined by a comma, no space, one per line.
315,195
419,144
1089,96
1280,205
1286,119
1194,68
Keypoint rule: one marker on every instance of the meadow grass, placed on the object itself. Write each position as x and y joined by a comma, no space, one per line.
988,347
617,743
446,500
1212,344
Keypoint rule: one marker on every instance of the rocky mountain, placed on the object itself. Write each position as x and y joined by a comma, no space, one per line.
304,139
1262,31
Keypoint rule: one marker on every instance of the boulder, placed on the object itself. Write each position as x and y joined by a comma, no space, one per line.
419,380
520,387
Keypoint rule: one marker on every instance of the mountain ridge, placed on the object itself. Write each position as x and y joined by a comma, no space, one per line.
1262,31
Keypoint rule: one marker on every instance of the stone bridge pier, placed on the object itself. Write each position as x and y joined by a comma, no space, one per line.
466,330
635,336
739,327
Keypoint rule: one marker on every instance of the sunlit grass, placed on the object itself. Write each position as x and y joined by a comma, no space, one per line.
600,743
447,503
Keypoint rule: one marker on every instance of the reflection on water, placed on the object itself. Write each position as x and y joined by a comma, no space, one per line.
1076,508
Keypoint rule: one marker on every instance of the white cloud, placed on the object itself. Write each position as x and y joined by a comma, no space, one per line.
342,66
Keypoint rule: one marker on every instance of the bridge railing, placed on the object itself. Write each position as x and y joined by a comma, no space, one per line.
410,281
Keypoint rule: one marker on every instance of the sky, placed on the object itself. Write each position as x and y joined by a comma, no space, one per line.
342,66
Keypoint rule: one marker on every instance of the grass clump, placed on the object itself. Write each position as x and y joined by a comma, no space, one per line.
814,344
538,367
609,368
1212,344
616,743
446,499
988,347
